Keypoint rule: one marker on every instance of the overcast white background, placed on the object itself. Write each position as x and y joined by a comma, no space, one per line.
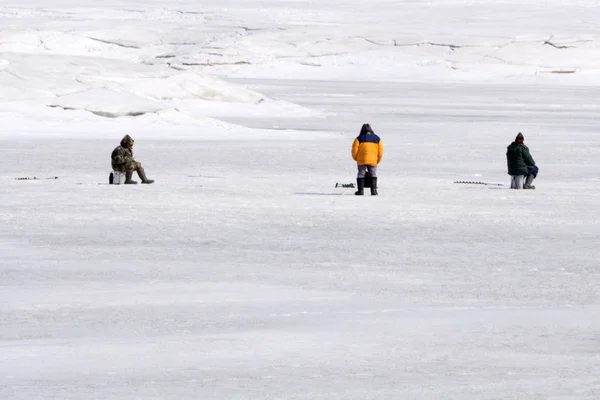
243,273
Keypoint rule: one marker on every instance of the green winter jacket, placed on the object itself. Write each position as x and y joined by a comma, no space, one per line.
518,159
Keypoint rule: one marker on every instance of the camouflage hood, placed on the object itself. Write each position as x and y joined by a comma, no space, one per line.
126,139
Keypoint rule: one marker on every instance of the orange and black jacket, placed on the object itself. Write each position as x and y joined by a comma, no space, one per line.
367,148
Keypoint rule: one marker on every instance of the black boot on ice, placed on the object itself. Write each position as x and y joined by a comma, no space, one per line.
374,186
360,182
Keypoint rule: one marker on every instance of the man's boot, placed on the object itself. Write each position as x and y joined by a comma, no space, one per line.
374,186
528,182
360,182
142,176
128,180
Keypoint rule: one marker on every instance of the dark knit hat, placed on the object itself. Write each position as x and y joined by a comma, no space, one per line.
519,137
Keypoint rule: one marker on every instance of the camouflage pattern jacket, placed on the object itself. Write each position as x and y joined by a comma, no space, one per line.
121,158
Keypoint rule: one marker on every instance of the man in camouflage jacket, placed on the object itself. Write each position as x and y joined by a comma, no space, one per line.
122,161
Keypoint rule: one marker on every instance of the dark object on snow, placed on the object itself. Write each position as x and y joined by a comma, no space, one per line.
345,185
35,178
480,183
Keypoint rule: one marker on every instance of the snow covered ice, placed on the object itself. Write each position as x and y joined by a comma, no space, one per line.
242,273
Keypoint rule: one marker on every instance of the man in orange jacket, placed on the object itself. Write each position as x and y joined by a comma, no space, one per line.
367,151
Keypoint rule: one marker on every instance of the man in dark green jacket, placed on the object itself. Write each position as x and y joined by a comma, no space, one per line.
520,164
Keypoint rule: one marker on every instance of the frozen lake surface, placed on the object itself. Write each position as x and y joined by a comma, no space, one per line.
243,273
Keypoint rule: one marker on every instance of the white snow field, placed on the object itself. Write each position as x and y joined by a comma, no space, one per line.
242,272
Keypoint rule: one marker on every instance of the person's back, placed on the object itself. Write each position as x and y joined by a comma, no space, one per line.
367,151
368,148
520,162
